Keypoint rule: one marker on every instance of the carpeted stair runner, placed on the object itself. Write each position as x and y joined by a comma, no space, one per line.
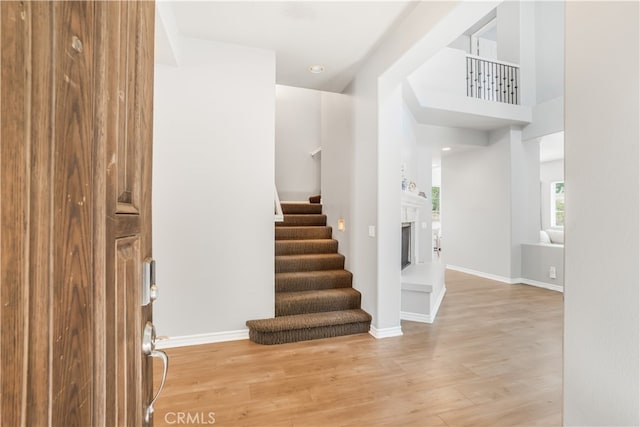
305,280
314,294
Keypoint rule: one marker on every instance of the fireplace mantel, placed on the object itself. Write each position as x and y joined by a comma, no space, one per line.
410,203
412,200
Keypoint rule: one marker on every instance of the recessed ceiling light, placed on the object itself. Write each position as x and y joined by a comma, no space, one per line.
446,148
316,69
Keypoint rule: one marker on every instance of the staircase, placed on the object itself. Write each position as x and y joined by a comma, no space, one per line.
314,298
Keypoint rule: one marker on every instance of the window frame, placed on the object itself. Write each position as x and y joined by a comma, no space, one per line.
552,205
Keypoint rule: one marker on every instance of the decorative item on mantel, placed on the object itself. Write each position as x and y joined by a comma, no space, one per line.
403,176
410,186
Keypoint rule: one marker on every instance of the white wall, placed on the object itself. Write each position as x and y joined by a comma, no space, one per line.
463,43
442,136
508,20
549,49
548,118
213,188
444,72
476,211
490,204
297,135
337,167
538,258
549,172
602,246
525,198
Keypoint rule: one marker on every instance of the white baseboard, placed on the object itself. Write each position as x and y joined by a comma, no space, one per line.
395,331
550,286
416,317
214,337
425,318
483,275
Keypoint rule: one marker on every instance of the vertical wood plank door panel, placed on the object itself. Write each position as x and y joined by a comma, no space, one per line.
72,299
41,212
76,89
14,196
127,326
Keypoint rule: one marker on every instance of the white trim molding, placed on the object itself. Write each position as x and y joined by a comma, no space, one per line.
484,275
416,317
550,286
517,281
395,331
198,339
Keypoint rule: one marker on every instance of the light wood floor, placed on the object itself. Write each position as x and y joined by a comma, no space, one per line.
492,358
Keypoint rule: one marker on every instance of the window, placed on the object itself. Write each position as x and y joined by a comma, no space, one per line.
557,204
435,204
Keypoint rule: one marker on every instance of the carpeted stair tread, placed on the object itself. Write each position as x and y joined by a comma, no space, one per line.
291,303
314,297
302,219
303,233
301,208
308,321
302,247
313,262
320,332
313,280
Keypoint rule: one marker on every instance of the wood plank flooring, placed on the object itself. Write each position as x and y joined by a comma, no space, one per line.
492,358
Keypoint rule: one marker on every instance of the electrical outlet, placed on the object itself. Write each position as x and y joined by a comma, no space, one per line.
552,272
372,231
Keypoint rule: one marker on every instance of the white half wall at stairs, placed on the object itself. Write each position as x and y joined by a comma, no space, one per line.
209,165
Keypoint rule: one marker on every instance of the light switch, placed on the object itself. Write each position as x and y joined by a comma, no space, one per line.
372,231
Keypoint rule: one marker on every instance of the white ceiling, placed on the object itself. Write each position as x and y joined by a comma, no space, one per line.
552,147
335,34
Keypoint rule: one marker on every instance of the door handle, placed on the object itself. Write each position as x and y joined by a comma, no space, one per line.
149,349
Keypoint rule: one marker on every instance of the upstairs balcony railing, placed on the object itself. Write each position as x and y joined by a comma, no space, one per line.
493,80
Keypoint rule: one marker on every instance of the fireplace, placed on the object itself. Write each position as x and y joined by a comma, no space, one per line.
405,258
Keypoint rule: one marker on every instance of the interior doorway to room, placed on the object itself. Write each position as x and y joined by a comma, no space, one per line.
484,42
436,213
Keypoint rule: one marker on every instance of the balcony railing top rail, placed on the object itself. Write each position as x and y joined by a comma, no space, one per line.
495,61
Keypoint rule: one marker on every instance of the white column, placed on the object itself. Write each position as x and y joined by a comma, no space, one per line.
602,247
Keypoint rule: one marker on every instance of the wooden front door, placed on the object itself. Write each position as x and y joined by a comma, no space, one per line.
76,89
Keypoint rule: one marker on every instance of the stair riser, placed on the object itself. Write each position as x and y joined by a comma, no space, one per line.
295,284
294,233
310,264
284,337
300,247
301,208
302,220
317,305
